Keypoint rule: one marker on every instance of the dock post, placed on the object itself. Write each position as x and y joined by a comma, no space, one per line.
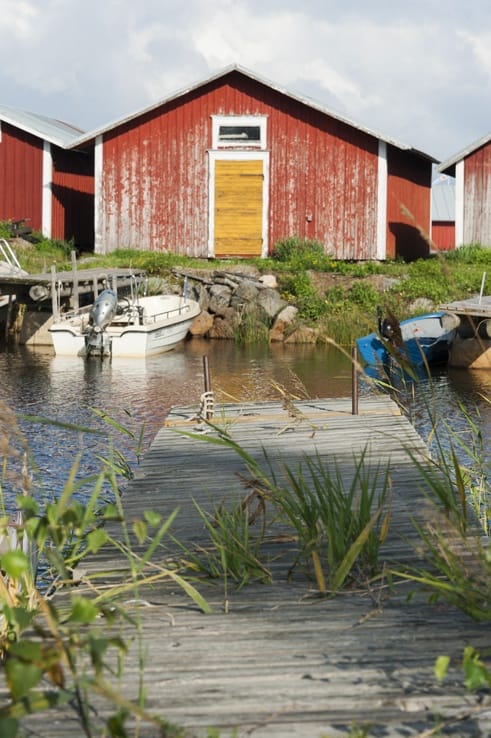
75,281
354,381
54,301
206,373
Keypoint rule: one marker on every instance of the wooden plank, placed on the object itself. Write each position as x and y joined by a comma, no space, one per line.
284,662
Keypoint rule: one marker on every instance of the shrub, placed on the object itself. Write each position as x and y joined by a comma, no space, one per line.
302,254
299,289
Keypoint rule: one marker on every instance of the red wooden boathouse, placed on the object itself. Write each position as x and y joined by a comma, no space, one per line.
232,165
471,168
42,182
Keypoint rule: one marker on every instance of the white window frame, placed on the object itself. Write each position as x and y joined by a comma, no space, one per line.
238,120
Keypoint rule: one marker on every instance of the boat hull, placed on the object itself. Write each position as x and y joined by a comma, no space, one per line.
165,322
426,341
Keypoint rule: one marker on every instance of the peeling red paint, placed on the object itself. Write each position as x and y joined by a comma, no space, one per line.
323,177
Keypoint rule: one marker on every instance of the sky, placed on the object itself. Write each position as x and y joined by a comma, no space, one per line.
418,72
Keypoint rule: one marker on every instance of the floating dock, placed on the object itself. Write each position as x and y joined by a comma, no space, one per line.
277,660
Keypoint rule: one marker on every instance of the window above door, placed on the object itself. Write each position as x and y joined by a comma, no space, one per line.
239,131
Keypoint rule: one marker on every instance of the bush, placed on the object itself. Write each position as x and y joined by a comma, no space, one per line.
302,253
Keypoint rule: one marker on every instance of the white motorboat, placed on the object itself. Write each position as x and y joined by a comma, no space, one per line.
126,327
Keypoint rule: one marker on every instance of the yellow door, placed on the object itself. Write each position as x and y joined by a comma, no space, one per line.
238,207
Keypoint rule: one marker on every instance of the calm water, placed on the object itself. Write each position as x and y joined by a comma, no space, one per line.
141,392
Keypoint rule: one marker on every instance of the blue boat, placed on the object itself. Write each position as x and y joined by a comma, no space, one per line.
416,342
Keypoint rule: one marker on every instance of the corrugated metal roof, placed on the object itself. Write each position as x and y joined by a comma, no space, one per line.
48,129
443,199
447,167
234,67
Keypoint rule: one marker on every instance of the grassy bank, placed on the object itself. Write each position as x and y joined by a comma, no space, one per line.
340,298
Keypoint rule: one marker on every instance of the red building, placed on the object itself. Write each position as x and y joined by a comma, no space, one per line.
472,171
43,182
443,213
234,164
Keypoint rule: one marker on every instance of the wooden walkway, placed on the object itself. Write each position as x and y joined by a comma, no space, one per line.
284,662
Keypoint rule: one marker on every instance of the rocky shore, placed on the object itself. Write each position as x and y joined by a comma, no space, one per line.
231,298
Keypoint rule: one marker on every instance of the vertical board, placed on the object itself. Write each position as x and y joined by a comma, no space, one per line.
73,197
477,197
238,207
21,167
408,205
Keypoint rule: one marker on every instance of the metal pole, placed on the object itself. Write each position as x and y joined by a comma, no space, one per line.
354,381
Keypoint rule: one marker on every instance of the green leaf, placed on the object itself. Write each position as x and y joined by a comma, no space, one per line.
83,610
26,651
21,677
96,539
441,667
15,563
140,530
9,727
153,518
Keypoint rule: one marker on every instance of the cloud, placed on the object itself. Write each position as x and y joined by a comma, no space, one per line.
409,70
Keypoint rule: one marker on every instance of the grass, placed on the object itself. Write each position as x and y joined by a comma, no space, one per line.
341,312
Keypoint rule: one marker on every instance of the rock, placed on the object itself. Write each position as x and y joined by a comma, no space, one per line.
221,328
202,324
271,302
269,280
283,323
219,298
246,292
303,334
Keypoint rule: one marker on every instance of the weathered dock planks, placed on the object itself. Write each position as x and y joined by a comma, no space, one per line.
284,662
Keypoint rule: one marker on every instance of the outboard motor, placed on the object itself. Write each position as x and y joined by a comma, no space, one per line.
103,310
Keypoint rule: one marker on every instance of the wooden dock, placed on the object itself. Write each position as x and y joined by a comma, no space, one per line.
44,287
284,662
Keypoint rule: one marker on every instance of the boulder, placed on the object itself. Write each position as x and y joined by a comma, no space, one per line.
271,302
202,324
283,323
303,334
269,280
219,298
221,328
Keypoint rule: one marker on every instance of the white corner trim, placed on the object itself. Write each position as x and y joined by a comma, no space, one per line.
459,203
382,201
98,195
47,191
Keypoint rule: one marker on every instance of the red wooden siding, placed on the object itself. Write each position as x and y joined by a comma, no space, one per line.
21,164
323,173
477,197
408,205
73,197
443,235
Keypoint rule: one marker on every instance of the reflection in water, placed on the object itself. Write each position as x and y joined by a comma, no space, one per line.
140,392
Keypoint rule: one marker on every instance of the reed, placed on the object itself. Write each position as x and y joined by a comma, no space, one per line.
61,645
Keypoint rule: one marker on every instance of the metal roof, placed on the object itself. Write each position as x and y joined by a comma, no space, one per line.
48,129
443,199
448,166
237,68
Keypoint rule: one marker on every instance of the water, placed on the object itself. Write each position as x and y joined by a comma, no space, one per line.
139,393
